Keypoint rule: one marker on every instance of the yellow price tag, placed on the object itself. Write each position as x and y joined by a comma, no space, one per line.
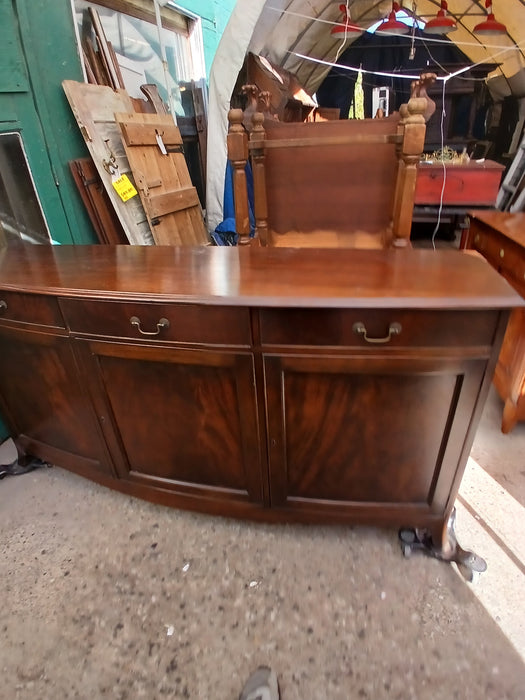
124,188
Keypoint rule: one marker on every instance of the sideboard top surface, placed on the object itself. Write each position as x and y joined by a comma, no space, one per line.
289,277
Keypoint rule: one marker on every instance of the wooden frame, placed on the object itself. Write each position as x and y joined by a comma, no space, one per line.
170,17
347,183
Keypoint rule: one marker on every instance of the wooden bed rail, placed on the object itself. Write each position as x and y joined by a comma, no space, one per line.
254,144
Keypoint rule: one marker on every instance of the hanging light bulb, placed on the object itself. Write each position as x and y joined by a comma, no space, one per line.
392,24
348,27
490,25
441,24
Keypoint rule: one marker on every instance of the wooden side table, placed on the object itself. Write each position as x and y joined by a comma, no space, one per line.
500,238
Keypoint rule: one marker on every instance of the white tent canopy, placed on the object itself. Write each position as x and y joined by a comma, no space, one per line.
295,35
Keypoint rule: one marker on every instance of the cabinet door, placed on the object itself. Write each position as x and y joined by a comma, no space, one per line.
48,412
179,420
375,437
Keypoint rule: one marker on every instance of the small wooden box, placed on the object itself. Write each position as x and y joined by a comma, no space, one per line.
466,184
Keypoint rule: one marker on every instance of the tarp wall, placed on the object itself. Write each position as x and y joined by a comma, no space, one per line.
227,63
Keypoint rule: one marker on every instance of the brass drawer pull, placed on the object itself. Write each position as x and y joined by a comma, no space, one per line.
163,323
3,305
393,329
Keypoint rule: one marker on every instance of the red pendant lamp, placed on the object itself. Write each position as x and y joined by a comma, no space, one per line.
490,25
441,24
348,27
392,26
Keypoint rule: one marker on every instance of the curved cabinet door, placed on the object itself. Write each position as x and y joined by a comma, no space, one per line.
181,423
375,438
46,408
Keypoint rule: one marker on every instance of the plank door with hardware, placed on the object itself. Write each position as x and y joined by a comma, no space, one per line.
153,146
94,107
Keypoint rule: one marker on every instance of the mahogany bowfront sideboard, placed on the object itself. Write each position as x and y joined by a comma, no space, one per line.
273,384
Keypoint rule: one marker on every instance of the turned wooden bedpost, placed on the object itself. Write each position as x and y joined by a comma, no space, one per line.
257,137
414,127
238,156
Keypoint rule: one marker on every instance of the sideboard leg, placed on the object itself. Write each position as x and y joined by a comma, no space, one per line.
442,544
510,416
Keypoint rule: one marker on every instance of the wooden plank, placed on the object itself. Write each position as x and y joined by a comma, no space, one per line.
94,107
202,127
104,49
94,62
101,212
162,204
366,139
173,209
154,99
116,66
146,134
90,73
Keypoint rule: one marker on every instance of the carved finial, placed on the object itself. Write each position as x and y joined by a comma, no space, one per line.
416,108
403,111
419,90
235,117
257,121
251,92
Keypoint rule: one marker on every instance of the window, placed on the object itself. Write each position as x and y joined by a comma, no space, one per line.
131,29
20,211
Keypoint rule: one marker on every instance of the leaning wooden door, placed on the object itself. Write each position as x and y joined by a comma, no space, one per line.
94,107
154,148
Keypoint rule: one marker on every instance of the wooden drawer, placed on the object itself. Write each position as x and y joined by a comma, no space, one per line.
335,327
30,308
489,246
512,266
188,323
504,255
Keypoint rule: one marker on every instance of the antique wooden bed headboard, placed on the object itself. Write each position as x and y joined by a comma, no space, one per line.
344,183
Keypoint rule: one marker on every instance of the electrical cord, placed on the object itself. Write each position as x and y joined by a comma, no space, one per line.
440,210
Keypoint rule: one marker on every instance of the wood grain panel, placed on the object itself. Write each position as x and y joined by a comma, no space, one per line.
184,420
41,396
364,431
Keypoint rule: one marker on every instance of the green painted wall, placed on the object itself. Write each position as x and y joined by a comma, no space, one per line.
41,52
214,15
38,52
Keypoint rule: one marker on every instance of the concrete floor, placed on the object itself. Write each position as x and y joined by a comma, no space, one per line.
109,596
